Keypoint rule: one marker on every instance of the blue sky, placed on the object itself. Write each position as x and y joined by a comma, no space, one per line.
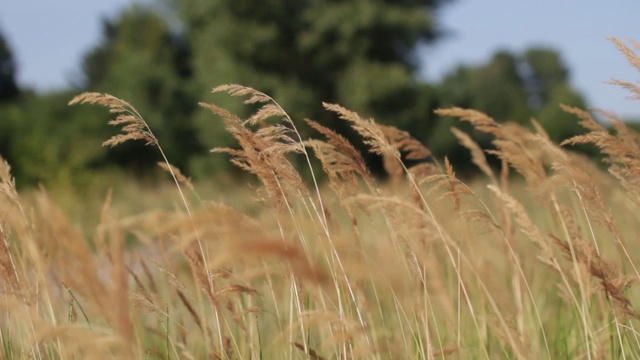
49,37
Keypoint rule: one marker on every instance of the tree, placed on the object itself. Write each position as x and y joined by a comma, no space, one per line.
510,87
358,53
544,71
9,92
548,81
496,88
8,86
51,143
142,60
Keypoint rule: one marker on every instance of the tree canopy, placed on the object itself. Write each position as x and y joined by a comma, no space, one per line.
164,57
8,85
510,87
360,54
142,60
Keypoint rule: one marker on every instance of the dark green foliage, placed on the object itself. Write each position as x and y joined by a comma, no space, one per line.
51,143
166,56
544,72
8,85
356,53
510,87
142,60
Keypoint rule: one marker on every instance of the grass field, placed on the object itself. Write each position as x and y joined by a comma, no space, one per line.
537,259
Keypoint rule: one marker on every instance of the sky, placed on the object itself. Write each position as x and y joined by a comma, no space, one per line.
49,38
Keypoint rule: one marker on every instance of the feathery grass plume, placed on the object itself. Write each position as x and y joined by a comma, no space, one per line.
539,129
454,188
263,151
133,125
477,155
338,167
513,143
571,171
386,141
622,150
480,121
580,175
613,282
343,164
7,182
631,56
280,139
8,268
374,136
634,60
255,96
351,162
519,148
184,180
404,144
7,264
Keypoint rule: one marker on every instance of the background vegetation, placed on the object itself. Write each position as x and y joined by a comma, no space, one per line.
166,56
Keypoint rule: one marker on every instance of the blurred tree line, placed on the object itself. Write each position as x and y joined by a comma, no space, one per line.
164,58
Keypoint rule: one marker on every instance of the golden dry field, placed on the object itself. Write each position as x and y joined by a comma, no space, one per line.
535,259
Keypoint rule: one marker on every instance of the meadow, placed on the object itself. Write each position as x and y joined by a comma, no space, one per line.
535,259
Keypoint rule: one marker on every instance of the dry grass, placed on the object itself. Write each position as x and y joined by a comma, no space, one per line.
425,266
